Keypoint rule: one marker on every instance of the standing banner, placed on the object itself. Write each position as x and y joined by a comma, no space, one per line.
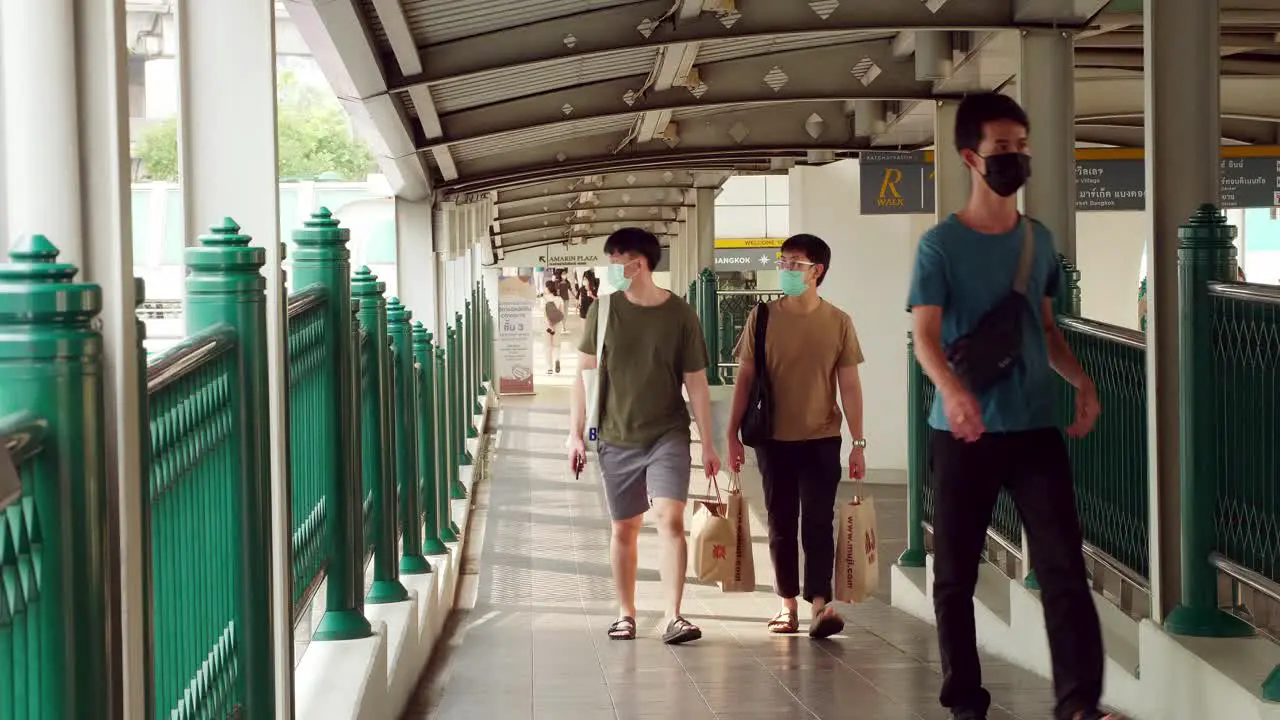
514,344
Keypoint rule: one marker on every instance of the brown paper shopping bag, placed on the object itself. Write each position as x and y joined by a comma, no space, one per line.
857,555
711,543
743,577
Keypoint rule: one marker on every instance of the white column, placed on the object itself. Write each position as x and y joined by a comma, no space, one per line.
1182,138
1046,90
107,206
705,220
679,270
951,176
416,260
227,148
41,121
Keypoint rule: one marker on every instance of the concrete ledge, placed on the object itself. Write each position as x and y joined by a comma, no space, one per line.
1150,675
404,651
344,679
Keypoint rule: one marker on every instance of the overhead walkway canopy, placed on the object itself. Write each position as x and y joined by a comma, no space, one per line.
638,101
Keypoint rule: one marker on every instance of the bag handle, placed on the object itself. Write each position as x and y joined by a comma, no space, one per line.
761,332
712,484
602,325
735,483
1024,260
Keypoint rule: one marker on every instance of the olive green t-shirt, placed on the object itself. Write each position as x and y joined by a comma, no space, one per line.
647,351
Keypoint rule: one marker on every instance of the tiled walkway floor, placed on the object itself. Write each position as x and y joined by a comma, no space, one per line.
534,645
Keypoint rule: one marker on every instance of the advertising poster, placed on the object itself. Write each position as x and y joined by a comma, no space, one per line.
514,348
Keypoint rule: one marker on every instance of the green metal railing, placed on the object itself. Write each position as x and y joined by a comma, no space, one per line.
26,684
369,439
312,430
1245,332
198,444
1110,463
732,309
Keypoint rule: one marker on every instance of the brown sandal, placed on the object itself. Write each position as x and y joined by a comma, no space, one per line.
784,623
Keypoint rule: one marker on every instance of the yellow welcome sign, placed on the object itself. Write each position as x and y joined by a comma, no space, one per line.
748,243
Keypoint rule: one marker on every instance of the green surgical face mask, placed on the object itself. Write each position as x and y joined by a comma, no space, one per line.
618,277
792,282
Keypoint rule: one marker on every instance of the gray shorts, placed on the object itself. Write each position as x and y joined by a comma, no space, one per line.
633,475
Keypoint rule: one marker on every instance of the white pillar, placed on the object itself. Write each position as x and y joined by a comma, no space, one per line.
41,121
227,148
1182,139
951,176
679,269
107,209
416,260
705,220
1046,90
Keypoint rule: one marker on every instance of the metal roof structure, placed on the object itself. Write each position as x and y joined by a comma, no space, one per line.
580,114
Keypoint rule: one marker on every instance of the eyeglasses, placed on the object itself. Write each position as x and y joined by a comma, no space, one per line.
788,264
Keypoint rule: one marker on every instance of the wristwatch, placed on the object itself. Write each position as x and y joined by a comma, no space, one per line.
860,443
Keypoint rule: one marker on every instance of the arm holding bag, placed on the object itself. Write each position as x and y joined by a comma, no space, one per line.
591,379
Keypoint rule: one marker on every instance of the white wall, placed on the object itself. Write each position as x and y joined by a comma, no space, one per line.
1109,249
871,259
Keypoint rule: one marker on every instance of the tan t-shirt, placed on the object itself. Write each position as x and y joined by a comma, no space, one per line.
803,351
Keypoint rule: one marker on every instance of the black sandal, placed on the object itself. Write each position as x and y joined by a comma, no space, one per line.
681,631
624,628
827,623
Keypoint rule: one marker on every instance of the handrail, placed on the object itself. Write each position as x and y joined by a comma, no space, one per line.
723,293
23,434
189,354
1014,550
1255,580
1251,292
308,297
1103,558
1104,331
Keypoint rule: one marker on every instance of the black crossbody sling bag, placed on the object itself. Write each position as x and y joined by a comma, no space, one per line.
988,354
757,421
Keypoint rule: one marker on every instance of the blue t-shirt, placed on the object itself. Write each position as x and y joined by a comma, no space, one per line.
967,273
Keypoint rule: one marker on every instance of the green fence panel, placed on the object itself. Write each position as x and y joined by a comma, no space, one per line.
408,483
370,463
313,434
446,467
54,589
198,449
433,542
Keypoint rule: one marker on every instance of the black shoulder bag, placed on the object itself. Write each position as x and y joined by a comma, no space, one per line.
988,354
757,421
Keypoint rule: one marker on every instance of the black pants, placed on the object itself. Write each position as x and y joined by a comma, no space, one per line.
800,483
1033,465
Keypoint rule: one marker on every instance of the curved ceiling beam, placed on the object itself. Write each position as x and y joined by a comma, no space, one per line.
613,198
568,241
633,179
866,70
1241,96
585,228
562,216
634,26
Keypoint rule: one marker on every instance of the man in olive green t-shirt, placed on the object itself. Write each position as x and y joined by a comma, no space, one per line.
653,348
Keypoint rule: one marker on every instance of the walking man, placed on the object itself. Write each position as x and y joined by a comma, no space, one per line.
810,351
991,352
653,347
553,310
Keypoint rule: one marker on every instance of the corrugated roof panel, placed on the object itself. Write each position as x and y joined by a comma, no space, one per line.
375,25
718,50
439,21
709,111
550,136
499,85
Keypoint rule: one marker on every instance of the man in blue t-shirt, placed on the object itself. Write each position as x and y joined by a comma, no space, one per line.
1005,436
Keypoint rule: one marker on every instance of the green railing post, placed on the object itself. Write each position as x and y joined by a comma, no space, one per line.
917,444
1205,253
692,297
488,341
54,593
462,407
432,538
707,312
400,328
1068,302
373,318
446,468
225,285
458,454
483,312
321,256
472,386
477,358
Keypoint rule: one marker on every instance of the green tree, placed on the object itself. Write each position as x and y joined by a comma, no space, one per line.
314,138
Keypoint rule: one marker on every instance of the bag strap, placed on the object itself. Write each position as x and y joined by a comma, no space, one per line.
735,483
602,325
761,332
713,485
1024,260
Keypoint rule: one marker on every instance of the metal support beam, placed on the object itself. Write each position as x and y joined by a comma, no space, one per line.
636,208
951,175
588,228
229,168
853,71
632,26
620,181
1046,90
595,214
933,59
572,240
1182,106
704,219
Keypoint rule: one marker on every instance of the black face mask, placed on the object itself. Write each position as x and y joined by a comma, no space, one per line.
1007,172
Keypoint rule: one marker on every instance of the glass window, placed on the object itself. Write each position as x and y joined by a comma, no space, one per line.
741,222
141,210
778,221
380,248
171,252
777,190
742,190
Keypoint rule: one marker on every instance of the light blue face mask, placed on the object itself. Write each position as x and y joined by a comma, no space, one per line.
792,282
618,277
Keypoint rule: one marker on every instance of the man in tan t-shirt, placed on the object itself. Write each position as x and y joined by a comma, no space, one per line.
811,352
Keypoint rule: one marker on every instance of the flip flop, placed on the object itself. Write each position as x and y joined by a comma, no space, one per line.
681,631
826,625
624,628
784,623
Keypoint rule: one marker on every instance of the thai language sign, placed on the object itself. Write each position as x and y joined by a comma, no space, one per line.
905,185
513,349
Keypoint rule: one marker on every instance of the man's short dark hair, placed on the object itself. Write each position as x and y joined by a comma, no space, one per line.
977,110
551,287
634,240
814,249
